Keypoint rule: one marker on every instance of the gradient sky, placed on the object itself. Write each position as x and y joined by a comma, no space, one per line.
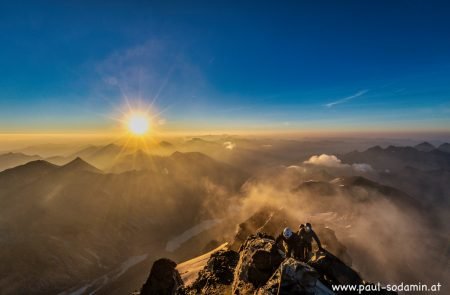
286,65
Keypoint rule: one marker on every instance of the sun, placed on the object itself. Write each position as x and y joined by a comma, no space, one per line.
138,124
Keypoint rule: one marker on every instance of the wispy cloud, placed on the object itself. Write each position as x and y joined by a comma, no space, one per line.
346,99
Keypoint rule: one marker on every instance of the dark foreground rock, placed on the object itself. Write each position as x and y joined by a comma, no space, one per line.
294,277
333,270
164,279
259,257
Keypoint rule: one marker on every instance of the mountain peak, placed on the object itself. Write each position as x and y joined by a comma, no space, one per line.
425,147
110,147
376,148
445,147
32,165
13,159
195,156
78,164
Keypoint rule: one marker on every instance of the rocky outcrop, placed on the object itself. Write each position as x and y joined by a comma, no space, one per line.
333,270
258,269
294,277
259,257
164,279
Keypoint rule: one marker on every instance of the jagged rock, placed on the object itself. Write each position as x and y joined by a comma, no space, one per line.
217,276
294,277
164,279
333,270
259,258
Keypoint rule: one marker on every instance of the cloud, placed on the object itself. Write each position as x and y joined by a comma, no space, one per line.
334,162
229,145
362,167
346,99
324,160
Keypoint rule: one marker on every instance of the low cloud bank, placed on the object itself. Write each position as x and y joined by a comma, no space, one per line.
332,161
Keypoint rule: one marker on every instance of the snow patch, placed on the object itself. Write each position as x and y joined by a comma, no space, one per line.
189,269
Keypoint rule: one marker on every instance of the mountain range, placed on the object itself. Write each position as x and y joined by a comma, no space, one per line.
94,220
88,217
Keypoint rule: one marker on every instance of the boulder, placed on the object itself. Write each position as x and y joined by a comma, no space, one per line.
258,259
164,279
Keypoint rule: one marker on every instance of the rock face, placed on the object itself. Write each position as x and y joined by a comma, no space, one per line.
164,279
217,276
259,258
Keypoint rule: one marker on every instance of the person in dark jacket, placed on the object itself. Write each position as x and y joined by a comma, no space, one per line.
306,234
291,241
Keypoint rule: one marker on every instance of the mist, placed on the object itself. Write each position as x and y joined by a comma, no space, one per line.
389,241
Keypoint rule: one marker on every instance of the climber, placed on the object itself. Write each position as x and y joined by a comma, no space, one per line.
306,234
301,244
291,241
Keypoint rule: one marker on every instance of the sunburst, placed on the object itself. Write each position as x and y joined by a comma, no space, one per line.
138,123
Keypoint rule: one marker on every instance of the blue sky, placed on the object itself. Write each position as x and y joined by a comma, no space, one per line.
297,65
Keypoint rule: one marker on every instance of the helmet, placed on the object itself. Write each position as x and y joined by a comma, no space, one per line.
287,232
301,226
308,227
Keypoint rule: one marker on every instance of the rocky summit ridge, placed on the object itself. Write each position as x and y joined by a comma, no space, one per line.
258,267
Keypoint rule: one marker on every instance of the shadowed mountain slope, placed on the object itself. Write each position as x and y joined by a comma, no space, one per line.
10,160
394,158
94,221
